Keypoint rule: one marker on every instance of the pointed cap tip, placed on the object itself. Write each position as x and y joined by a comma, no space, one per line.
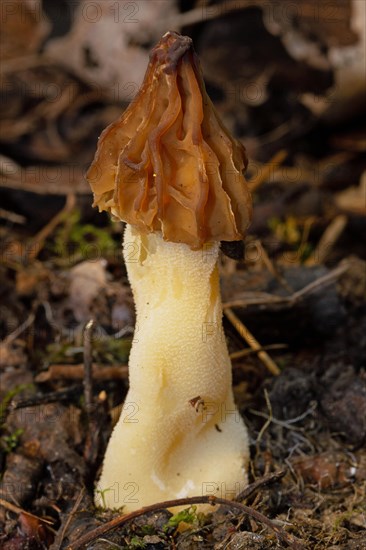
169,164
170,49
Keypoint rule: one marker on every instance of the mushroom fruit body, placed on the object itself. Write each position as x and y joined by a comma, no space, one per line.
170,170
179,433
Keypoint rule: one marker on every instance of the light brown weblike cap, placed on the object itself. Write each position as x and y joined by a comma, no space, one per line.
168,163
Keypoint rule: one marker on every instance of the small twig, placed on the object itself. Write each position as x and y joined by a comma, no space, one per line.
267,170
259,483
271,267
76,372
92,441
285,423
61,534
246,352
328,240
251,340
205,499
53,397
88,377
17,510
12,216
269,419
18,331
60,180
24,62
255,299
38,241
323,281
280,131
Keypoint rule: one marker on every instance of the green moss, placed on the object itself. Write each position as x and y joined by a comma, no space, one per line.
189,515
293,234
9,440
106,350
74,241
136,542
8,397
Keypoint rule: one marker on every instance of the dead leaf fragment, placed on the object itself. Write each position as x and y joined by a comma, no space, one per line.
104,46
87,279
326,471
353,199
23,27
11,355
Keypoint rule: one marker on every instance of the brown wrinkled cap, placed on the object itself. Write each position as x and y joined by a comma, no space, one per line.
168,163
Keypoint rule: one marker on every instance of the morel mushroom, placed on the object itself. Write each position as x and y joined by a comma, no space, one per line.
169,168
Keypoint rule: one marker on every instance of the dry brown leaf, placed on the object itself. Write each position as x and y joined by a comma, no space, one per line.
87,279
56,180
104,46
353,199
23,27
30,278
327,470
11,355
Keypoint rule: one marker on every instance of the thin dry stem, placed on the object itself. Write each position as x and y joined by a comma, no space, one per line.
39,240
61,534
328,240
12,216
76,372
245,352
17,510
265,299
268,168
18,331
205,499
88,377
252,341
